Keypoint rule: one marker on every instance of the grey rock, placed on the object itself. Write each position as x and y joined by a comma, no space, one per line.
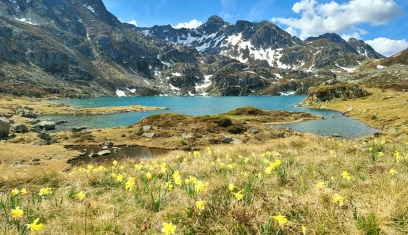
147,128
392,131
47,125
42,142
236,141
336,135
254,130
104,152
28,114
105,147
93,155
149,135
108,143
281,134
350,109
4,127
19,128
44,136
78,129
35,160
227,140
187,137
33,121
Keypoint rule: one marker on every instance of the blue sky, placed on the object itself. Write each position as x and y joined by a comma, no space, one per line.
381,23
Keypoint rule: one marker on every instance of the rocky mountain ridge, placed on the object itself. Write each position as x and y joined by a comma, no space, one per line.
78,49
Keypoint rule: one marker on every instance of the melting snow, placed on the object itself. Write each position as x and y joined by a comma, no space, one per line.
176,74
278,75
174,88
131,90
350,70
206,84
26,21
380,67
89,8
120,93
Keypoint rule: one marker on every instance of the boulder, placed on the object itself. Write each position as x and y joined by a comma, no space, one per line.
19,128
4,127
47,125
254,130
227,140
44,136
149,135
104,152
28,114
147,128
42,142
108,143
78,129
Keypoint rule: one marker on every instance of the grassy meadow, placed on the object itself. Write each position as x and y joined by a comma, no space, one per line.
296,185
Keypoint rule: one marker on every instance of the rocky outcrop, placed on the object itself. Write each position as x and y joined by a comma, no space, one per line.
4,127
327,93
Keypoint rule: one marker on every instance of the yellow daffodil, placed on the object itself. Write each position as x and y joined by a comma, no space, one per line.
346,175
119,178
15,191
192,179
397,156
122,167
44,191
176,174
131,179
340,144
90,167
16,213
148,175
34,226
303,230
178,180
339,199
281,220
129,185
23,191
80,196
169,186
200,205
113,175
382,141
230,166
320,185
231,187
168,228
115,163
393,172
199,186
268,170
380,154
238,195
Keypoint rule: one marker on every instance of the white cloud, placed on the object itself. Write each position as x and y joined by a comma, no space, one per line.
189,25
291,31
388,47
133,22
320,18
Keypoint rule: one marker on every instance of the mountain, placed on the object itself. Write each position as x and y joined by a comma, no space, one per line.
248,42
76,48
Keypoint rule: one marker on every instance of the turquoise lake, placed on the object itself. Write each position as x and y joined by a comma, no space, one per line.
335,122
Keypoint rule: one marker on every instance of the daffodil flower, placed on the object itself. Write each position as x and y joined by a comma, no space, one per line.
44,191
178,180
393,172
129,185
23,191
114,163
169,186
15,191
80,196
303,230
231,187
238,195
200,205
168,228
16,213
339,199
281,220
148,175
320,184
34,226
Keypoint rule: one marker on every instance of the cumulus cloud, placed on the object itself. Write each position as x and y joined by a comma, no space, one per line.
189,25
388,47
320,18
133,22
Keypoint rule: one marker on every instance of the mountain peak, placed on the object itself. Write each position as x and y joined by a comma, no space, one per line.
215,20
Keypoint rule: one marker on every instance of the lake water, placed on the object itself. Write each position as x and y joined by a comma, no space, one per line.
335,122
